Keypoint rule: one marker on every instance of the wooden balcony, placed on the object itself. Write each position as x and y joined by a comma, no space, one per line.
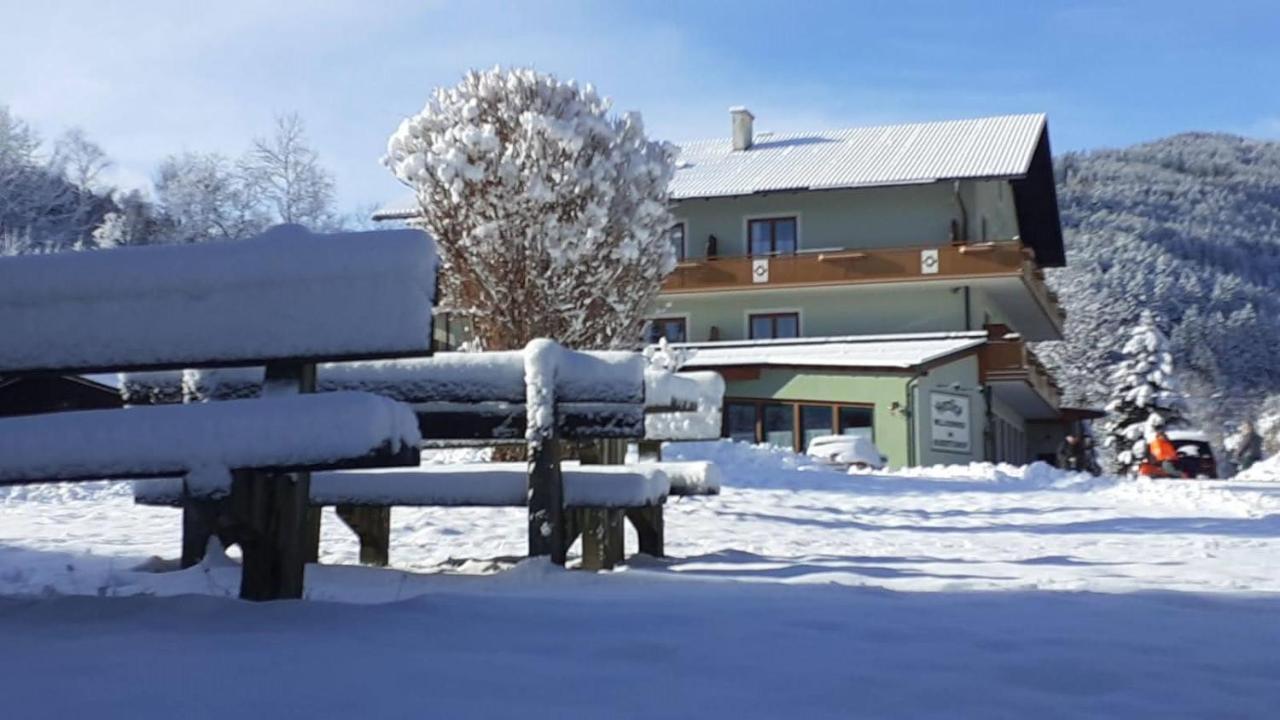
1019,378
1008,261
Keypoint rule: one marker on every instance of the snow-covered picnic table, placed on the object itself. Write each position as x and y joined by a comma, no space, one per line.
283,300
364,498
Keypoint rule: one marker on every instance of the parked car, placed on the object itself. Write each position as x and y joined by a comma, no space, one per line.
1195,453
845,452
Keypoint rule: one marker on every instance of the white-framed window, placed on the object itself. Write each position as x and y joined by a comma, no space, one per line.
678,235
778,235
773,325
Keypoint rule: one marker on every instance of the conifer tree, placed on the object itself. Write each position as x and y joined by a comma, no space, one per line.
1145,394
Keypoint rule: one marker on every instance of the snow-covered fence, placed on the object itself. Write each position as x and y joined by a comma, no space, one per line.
284,300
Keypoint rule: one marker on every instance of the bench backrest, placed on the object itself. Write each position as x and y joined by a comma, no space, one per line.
287,294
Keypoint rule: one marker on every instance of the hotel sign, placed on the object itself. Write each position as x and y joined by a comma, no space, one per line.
949,422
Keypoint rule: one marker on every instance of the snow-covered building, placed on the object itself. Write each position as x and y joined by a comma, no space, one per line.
877,280
880,281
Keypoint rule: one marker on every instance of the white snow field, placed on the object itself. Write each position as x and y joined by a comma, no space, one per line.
980,592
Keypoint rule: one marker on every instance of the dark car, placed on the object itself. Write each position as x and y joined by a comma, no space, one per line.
1195,453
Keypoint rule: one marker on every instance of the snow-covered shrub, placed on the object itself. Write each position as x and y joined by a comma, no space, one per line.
1145,394
550,214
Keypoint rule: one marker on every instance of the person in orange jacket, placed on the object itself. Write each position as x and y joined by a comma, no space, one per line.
1162,457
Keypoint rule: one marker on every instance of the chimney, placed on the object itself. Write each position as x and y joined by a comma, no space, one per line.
742,119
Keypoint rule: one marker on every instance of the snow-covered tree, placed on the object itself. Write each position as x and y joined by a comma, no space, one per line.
287,176
550,213
204,197
39,210
1145,393
81,160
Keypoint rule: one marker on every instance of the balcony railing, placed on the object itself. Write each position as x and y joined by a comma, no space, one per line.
1012,360
847,266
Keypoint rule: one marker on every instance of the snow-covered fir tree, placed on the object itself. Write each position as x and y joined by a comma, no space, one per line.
549,212
1145,393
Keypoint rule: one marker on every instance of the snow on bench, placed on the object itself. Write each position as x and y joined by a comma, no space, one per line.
285,294
208,439
695,399
462,485
688,478
508,395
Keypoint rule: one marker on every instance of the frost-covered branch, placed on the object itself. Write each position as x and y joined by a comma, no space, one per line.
550,213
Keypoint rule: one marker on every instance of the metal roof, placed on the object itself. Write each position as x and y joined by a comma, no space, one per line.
856,351
860,157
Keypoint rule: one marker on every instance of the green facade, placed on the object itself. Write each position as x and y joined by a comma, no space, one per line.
837,310
901,417
864,218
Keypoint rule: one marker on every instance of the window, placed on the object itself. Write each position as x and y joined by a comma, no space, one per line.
766,326
779,425
676,235
740,421
772,236
856,421
792,425
815,421
673,329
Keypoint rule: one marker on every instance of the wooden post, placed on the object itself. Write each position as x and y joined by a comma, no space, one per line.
602,537
650,529
650,450
311,540
547,535
373,526
277,542
195,533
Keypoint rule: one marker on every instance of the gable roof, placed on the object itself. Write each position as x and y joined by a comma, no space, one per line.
991,147
897,352
1009,147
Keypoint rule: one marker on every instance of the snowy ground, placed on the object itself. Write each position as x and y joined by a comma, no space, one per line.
796,593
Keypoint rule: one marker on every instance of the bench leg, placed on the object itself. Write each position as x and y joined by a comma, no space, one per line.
650,529
196,530
602,538
547,534
373,526
311,538
276,543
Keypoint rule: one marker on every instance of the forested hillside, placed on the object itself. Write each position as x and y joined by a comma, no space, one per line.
1188,227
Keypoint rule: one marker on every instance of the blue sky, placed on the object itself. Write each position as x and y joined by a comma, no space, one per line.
146,79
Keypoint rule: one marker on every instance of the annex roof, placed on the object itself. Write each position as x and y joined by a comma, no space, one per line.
853,351
990,147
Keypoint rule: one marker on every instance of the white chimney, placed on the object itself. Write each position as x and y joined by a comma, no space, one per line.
742,119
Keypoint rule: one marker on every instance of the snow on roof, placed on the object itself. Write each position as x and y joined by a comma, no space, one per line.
287,293
860,157
989,147
854,351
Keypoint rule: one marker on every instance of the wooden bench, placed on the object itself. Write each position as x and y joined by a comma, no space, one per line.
284,300
486,398
597,499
